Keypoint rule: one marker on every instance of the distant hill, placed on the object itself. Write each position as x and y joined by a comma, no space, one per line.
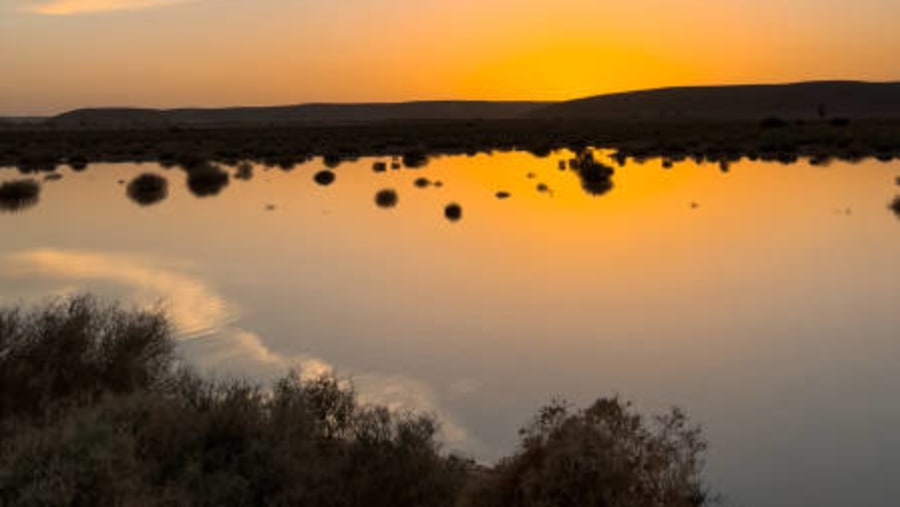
300,114
825,99
811,100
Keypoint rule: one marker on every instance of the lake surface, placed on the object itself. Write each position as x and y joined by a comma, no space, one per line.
762,300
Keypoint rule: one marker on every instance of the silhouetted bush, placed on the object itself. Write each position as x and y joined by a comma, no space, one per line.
324,178
19,194
332,160
414,159
207,179
453,212
422,182
895,206
147,189
386,198
244,171
605,455
379,167
502,195
596,178
78,163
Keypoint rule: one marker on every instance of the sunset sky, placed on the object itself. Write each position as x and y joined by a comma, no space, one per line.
62,54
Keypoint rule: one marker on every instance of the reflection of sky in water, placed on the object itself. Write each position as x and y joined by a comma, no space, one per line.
761,300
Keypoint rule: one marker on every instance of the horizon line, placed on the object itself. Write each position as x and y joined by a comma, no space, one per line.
451,100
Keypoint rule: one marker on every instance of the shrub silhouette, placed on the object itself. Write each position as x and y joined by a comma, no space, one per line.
19,194
605,455
78,163
147,189
379,167
386,198
453,212
895,206
207,179
324,178
332,160
596,178
502,195
415,159
244,171
422,182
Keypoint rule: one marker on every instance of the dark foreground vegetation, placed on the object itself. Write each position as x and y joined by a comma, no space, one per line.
778,139
97,409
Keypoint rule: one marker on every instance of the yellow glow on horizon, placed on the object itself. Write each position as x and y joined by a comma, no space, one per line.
217,53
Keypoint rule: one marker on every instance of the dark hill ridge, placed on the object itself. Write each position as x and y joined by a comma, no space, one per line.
828,99
849,99
300,114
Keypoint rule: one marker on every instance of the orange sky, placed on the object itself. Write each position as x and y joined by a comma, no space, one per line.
61,54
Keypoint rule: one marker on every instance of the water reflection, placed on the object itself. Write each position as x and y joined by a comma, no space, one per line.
148,189
761,339
19,195
588,165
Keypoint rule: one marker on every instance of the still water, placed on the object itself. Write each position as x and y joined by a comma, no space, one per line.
762,300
